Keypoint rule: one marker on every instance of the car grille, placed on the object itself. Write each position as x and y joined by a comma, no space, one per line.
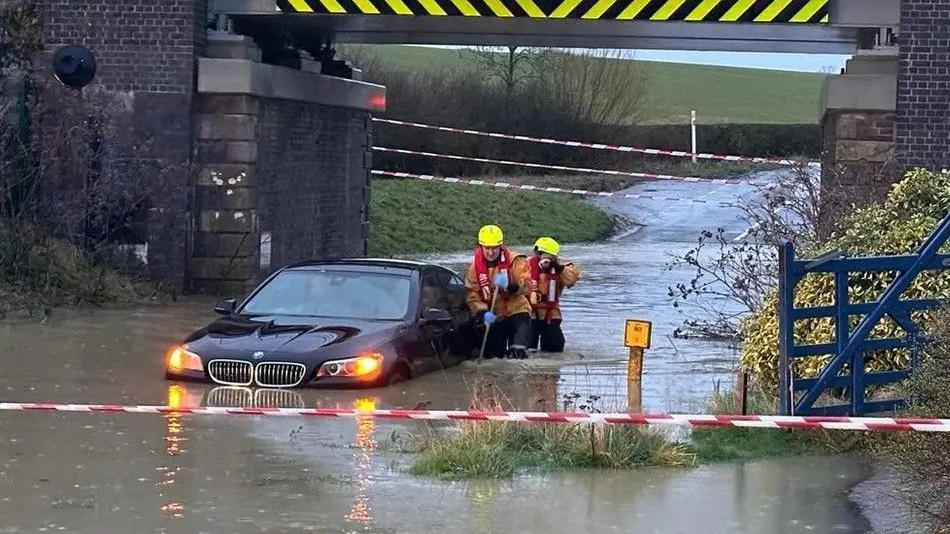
231,372
277,398
279,374
230,396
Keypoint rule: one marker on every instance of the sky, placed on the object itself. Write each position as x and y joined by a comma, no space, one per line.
827,63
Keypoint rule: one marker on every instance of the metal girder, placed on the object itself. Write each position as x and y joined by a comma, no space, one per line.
865,13
386,29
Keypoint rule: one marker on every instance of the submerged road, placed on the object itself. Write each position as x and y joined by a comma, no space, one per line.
143,473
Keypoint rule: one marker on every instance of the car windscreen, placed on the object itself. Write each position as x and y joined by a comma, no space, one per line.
327,293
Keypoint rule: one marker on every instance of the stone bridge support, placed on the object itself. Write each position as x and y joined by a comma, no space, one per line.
283,161
251,165
890,107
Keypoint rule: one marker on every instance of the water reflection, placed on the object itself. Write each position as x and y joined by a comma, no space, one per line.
360,511
178,397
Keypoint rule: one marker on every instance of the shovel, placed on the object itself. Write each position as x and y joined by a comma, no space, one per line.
494,297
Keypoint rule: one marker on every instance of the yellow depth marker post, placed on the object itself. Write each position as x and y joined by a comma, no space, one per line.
636,336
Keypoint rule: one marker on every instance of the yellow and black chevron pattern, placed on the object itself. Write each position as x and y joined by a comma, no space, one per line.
763,11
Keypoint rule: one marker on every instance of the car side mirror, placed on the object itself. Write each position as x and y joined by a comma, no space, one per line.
437,316
225,306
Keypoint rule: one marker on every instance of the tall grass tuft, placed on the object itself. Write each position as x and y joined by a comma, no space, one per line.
499,449
490,449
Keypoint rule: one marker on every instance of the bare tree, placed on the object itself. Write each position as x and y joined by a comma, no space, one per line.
732,274
600,87
511,66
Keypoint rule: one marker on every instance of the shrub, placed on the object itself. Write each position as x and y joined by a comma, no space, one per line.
898,225
920,458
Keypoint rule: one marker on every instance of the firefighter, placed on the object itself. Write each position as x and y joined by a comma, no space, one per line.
549,276
498,283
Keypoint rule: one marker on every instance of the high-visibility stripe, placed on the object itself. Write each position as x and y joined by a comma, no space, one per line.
432,7
806,13
702,10
667,10
466,8
531,9
598,9
301,6
332,6
760,11
769,14
498,8
737,10
564,9
633,9
366,7
399,7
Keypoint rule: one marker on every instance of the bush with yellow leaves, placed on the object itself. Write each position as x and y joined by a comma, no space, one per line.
898,225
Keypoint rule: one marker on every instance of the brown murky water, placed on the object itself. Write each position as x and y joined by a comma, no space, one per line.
148,473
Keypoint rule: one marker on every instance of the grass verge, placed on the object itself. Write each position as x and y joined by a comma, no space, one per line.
728,444
410,217
498,450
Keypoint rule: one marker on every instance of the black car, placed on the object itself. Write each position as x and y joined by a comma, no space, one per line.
341,323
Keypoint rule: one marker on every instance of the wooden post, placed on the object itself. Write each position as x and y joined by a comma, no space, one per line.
741,392
635,380
635,364
636,337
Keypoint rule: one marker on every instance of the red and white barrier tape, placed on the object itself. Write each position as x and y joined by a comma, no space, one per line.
691,420
543,189
560,167
596,146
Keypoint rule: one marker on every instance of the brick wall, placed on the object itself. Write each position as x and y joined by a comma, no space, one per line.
146,54
923,97
279,176
312,178
140,45
857,164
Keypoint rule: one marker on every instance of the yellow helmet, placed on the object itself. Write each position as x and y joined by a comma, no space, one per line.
547,245
490,236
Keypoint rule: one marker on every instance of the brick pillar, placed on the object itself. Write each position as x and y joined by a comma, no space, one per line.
858,124
283,167
227,237
923,98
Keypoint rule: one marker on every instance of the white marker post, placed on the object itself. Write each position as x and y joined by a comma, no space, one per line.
692,121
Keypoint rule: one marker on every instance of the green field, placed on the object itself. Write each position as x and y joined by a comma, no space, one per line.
410,217
718,94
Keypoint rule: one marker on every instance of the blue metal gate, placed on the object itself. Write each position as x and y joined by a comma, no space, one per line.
846,367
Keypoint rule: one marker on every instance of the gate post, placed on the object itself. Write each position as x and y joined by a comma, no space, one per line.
786,324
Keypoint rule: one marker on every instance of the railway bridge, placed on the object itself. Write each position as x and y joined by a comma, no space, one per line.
265,136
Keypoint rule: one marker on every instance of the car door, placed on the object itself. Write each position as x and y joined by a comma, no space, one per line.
434,337
461,340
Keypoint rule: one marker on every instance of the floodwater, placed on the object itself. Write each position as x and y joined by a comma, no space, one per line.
102,472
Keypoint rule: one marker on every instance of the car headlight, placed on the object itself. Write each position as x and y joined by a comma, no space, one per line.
180,359
361,366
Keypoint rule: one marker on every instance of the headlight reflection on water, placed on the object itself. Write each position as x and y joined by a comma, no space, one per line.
365,425
177,397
